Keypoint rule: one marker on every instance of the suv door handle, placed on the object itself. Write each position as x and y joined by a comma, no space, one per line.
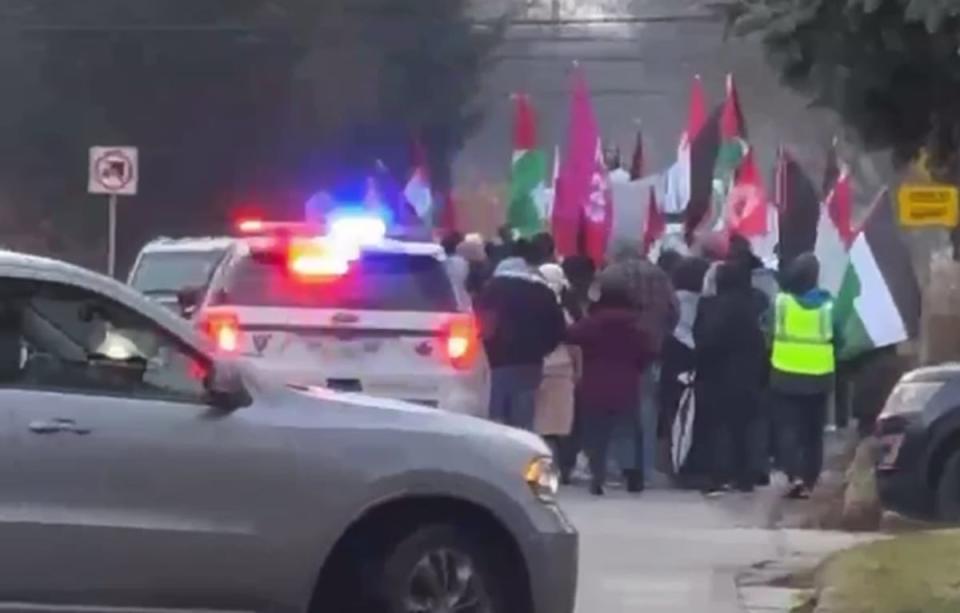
56,426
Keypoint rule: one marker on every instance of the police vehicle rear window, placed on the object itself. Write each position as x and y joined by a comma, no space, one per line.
376,282
170,272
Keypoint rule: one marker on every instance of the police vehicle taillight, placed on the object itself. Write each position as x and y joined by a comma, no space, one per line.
462,341
224,329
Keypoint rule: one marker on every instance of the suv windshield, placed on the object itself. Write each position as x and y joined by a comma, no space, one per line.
168,273
377,282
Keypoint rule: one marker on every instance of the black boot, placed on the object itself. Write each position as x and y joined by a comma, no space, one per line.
634,480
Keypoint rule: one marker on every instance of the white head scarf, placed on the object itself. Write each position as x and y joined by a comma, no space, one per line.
555,278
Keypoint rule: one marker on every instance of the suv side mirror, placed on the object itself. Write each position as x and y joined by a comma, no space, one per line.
225,389
188,300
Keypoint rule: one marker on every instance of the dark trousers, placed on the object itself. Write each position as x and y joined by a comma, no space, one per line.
842,395
733,453
513,394
802,422
600,431
567,448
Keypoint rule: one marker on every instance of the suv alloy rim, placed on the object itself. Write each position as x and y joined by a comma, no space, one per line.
446,581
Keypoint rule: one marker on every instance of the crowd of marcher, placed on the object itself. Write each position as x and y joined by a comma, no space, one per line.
734,358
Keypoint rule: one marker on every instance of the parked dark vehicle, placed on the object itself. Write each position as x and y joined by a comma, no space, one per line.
918,469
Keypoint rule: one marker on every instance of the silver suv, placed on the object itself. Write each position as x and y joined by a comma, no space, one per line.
140,470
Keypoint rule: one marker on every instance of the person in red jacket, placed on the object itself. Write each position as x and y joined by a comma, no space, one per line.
615,351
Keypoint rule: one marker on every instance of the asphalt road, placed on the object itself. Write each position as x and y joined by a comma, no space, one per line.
676,552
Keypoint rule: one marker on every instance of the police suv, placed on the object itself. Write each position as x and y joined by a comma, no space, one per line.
343,306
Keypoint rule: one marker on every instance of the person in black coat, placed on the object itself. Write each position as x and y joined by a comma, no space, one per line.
731,358
521,323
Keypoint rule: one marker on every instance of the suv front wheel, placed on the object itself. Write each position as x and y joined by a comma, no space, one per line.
436,569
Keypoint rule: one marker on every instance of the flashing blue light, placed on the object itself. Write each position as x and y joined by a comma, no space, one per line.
360,228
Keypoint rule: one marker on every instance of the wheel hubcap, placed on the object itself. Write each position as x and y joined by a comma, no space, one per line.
446,581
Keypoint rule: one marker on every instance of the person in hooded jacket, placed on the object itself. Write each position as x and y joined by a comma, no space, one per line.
652,296
765,290
731,359
678,349
521,323
803,365
615,351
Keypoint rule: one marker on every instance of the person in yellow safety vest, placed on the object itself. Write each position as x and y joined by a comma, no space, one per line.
803,366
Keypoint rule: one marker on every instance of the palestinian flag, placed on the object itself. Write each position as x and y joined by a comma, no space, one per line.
799,203
703,156
527,207
878,304
680,175
834,232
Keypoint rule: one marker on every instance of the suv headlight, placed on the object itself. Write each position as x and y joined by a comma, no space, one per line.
543,477
909,397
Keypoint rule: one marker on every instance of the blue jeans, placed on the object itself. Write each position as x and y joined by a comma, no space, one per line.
635,445
602,432
649,413
513,394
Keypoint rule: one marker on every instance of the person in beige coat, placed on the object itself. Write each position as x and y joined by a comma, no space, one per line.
554,412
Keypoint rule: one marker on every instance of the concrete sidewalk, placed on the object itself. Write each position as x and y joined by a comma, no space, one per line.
671,552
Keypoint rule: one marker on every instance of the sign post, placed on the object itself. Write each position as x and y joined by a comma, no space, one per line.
113,172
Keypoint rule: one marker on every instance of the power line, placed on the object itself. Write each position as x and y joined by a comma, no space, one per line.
250,29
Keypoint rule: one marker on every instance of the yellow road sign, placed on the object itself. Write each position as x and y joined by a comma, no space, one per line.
924,206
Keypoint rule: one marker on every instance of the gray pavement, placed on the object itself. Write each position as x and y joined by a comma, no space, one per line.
672,552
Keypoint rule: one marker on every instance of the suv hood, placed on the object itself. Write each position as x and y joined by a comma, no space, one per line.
388,413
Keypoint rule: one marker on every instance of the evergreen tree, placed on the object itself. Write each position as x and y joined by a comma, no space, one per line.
890,68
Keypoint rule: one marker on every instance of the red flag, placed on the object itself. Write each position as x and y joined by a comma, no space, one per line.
656,225
598,211
840,206
746,203
583,193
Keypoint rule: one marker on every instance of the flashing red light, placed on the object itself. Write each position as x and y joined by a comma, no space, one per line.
224,329
462,341
250,226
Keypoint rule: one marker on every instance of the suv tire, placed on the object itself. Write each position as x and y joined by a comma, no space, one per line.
438,569
948,490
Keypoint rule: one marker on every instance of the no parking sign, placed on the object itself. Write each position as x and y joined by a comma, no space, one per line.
113,172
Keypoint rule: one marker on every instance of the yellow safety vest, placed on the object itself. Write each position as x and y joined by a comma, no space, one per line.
803,338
